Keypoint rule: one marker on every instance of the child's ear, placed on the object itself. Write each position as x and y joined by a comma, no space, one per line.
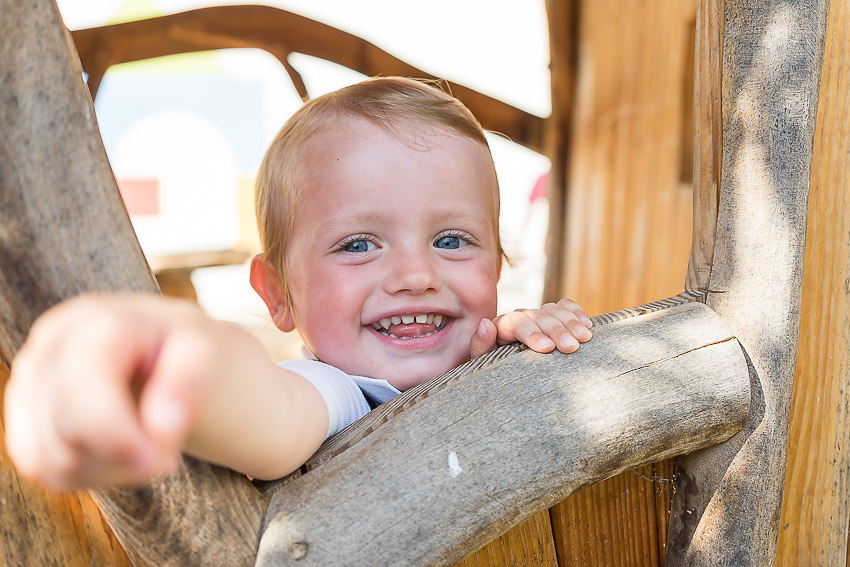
267,284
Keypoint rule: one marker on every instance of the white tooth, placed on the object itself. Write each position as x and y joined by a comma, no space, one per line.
430,318
377,326
407,319
438,320
386,322
421,318
396,320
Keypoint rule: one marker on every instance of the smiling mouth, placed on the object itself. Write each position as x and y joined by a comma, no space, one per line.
411,326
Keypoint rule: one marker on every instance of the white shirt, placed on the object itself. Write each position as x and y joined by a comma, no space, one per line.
348,397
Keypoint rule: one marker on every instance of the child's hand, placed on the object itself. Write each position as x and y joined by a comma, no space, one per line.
561,325
98,393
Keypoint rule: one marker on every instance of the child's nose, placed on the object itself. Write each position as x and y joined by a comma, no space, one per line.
411,272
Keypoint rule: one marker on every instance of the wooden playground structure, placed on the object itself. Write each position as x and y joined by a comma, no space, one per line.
741,374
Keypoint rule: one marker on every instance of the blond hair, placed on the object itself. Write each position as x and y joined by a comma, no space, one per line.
396,104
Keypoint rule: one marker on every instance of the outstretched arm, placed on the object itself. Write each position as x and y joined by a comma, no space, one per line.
563,326
109,389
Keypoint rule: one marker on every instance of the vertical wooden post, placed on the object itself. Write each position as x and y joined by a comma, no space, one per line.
708,140
563,44
816,503
727,507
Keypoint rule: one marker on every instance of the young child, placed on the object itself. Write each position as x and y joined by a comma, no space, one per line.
378,208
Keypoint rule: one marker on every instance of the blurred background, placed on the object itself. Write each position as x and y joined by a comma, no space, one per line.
186,133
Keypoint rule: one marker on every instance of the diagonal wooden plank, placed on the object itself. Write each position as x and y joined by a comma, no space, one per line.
64,230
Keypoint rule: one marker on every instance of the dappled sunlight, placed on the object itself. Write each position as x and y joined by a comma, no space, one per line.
771,69
513,433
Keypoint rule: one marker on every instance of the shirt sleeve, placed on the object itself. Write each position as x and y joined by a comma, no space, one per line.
344,399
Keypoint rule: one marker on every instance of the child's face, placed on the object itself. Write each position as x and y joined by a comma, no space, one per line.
387,233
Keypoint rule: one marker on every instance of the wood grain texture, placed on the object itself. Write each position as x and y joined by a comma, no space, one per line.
708,140
529,543
526,431
64,230
726,508
620,221
816,504
50,142
202,515
627,214
620,535
38,527
280,32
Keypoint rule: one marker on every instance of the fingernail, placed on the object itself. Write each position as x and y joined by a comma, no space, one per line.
546,342
482,328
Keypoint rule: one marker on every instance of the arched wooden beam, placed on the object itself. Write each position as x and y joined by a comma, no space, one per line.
757,149
280,33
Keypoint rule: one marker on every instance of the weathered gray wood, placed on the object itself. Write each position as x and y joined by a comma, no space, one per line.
728,499
58,199
502,441
64,230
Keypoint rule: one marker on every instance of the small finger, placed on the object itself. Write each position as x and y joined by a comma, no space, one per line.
99,427
175,390
569,320
522,326
576,309
22,442
565,339
484,339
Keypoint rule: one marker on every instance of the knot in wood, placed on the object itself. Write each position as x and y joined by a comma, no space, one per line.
298,550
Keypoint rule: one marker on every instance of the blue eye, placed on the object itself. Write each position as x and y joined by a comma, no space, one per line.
450,242
359,246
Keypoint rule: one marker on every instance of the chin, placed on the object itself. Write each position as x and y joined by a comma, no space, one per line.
412,379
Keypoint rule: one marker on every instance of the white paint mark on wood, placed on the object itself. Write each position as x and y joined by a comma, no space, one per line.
454,466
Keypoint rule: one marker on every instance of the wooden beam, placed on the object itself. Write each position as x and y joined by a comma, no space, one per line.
563,19
626,216
499,439
708,140
727,504
279,32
